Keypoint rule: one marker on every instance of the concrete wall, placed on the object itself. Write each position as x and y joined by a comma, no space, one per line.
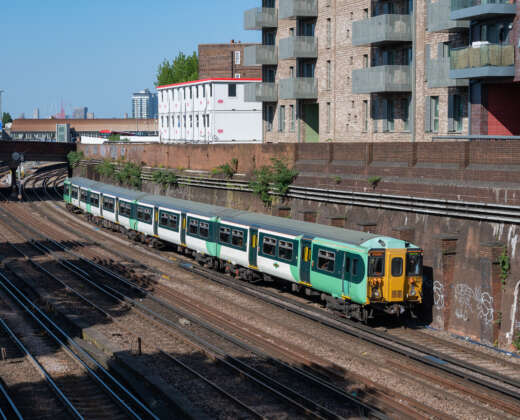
464,293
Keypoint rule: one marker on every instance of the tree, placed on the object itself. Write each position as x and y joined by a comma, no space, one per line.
6,118
183,68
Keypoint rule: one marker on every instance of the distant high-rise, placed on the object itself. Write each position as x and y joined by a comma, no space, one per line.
80,113
144,104
90,115
36,113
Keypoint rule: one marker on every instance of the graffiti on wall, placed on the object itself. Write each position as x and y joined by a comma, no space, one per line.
473,301
438,294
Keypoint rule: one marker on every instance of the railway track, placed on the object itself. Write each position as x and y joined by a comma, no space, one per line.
85,388
469,372
251,370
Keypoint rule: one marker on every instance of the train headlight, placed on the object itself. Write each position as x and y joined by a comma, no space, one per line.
375,293
412,290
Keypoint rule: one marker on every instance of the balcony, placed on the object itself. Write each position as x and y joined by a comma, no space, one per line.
292,9
439,18
481,9
381,79
298,47
259,18
381,30
261,92
488,60
438,74
260,54
299,88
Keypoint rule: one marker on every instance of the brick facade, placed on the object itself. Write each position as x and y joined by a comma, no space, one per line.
219,61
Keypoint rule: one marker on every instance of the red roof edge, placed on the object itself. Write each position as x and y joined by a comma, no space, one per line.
222,79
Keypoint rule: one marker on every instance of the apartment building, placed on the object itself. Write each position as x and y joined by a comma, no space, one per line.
373,70
209,111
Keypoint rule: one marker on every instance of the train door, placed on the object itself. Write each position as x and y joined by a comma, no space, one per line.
87,204
155,220
183,229
116,209
347,274
306,258
393,289
133,216
253,247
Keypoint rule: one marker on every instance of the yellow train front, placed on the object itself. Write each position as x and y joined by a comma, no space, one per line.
395,279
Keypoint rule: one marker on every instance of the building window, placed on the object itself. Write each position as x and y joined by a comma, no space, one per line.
434,114
365,116
281,119
365,61
351,15
455,113
365,13
390,114
328,117
293,117
348,33
184,119
203,91
237,57
329,32
291,71
269,115
237,75
232,90
191,121
197,121
405,105
210,90
329,74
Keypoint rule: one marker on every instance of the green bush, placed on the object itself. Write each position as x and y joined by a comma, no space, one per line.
228,169
74,158
106,169
130,175
277,177
516,342
374,180
165,178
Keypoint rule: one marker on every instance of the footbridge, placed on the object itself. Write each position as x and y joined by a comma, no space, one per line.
15,151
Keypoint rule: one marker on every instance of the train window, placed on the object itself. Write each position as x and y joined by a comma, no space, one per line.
83,196
125,209
269,246
225,235
204,229
347,265
167,220
414,264
238,238
144,214
355,267
397,267
74,193
108,204
285,250
194,227
94,200
326,260
376,266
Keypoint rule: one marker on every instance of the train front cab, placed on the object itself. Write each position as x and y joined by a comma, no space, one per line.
395,278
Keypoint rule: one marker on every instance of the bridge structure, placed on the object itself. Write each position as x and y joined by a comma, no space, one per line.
12,153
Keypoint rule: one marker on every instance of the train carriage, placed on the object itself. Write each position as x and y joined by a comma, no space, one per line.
353,271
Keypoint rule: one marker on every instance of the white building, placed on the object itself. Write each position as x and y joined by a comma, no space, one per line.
144,104
212,110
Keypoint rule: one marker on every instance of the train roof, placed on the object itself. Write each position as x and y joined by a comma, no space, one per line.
277,224
124,193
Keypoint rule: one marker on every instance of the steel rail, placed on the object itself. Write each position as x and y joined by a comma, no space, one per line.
69,351
10,403
433,354
243,368
438,355
432,358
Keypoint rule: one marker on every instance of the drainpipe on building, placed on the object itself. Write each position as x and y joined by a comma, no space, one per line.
298,119
414,61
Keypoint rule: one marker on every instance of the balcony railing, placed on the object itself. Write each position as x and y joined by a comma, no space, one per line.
438,74
298,47
439,18
490,60
379,79
481,9
299,88
258,18
260,54
292,9
261,92
382,29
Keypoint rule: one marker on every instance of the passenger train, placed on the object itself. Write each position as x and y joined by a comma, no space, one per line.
355,272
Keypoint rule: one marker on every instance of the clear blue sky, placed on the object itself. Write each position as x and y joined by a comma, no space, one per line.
95,53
